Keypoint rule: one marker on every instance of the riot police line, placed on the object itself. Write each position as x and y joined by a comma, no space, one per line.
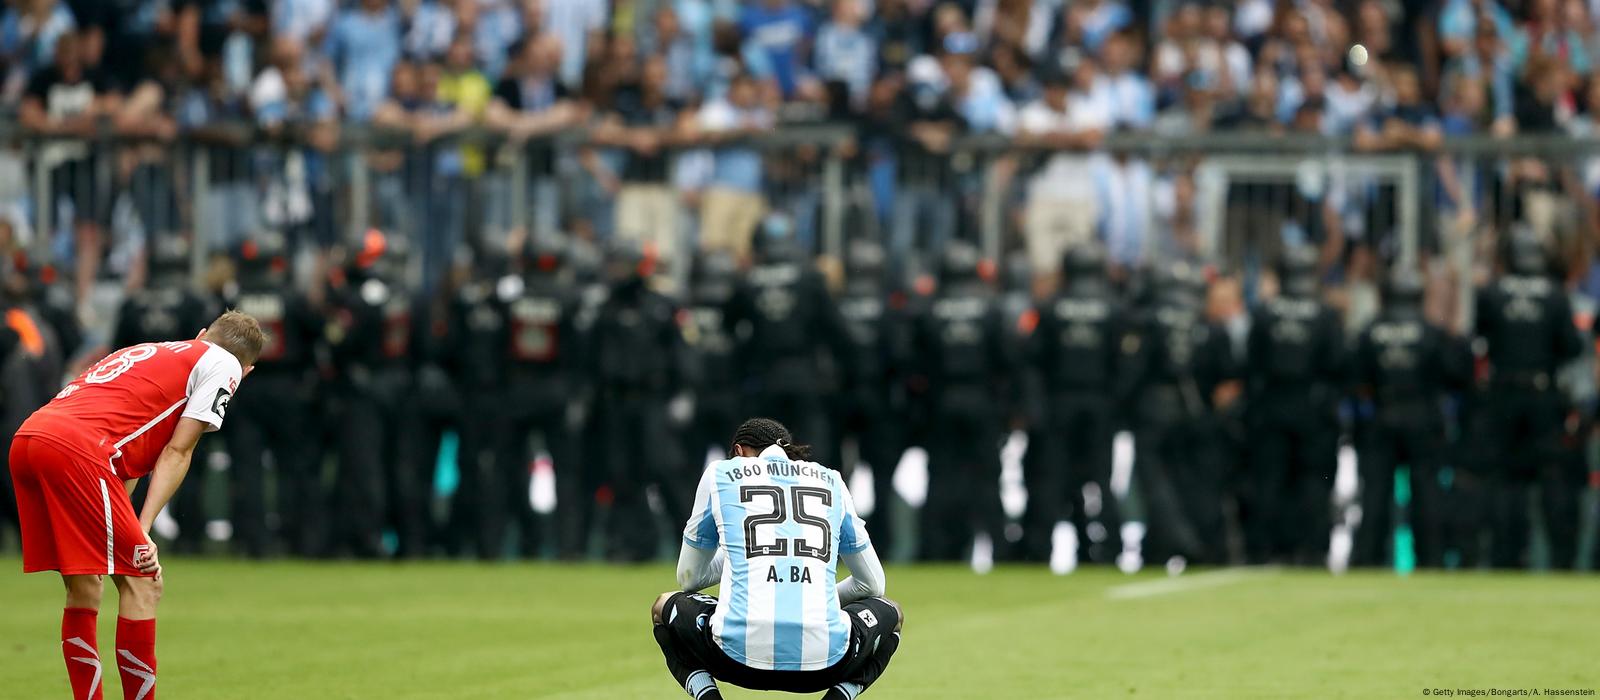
371,391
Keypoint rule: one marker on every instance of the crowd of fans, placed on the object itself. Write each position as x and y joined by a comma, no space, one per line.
667,88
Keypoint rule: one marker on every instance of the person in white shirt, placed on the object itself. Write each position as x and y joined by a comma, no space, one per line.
1063,206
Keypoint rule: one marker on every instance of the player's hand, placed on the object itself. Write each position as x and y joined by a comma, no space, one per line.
148,561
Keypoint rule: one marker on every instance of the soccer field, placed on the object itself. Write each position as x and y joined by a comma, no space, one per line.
238,630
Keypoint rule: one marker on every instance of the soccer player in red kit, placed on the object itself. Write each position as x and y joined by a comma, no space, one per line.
138,412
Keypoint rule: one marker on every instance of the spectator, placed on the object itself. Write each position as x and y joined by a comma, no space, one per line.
1178,51
363,45
846,53
1016,74
641,125
1466,112
435,183
464,88
777,40
1551,31
1129,94
1488,60
128,31
577,22
688,56
225,28
1063,206
1460,21
29,30
1258,110
496,25
898,32
974,90
530,102
210,112
732,205
305,21
1350,99
432,26
1098,20
64,99
1223,56
297,198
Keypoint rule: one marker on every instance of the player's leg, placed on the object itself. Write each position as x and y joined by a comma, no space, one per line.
676,618
878,622
62,512
79,647
137,597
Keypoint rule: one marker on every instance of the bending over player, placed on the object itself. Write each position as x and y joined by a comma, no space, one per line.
772,529
138,412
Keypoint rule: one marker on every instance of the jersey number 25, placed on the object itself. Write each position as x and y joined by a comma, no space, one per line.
780,547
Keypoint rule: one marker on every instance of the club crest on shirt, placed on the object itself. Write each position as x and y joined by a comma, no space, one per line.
219,405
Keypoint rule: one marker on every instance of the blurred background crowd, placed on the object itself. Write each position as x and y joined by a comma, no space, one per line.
484,230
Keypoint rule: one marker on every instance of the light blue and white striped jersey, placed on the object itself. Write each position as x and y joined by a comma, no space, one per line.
783,525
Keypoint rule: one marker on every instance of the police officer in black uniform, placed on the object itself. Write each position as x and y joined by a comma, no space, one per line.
168,308
370,334
965,362
1178,360
789,333
1293,376
870,406
542,363
636,361
1403,365
1525,320
276,420
1076,349
712,356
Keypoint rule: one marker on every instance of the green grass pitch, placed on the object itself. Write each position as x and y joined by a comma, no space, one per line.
240,630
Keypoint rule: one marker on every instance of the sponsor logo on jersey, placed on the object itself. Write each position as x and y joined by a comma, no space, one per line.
867,617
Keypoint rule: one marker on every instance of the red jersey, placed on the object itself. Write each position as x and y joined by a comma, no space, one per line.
122,411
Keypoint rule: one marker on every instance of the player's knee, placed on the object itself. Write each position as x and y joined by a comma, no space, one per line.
660,605
899,614
84,591
139,593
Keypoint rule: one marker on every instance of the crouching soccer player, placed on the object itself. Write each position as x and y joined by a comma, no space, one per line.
139,411
772,528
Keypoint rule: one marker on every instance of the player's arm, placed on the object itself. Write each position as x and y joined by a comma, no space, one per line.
855,550
699,569
866,577
171,466
701,557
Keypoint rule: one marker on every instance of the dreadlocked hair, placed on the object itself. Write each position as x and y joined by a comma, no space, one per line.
760,433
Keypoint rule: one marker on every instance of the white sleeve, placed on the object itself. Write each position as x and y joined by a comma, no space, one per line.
211,385
701,530
853,535
699,569
866,577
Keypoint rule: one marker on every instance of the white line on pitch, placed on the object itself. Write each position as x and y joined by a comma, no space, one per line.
1181,584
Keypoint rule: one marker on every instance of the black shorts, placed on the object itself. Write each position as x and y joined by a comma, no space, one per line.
687,617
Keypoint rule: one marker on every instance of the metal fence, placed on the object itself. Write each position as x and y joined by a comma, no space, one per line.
1231,199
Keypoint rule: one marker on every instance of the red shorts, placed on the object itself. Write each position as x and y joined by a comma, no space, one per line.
76,516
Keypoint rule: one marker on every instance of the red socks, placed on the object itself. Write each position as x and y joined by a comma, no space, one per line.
80,652
136,657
